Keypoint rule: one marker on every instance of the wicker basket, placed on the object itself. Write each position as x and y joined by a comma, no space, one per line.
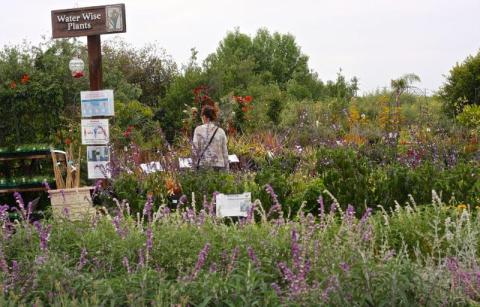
74,204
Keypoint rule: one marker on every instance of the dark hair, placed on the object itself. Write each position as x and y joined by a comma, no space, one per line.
210,112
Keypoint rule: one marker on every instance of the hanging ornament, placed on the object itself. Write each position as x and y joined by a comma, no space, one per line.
76,66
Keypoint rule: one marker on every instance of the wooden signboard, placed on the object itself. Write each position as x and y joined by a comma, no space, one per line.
88,21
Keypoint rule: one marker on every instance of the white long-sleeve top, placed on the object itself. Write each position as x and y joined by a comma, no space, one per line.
216,154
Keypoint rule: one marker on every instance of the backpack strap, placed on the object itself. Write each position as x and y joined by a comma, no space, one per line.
205,149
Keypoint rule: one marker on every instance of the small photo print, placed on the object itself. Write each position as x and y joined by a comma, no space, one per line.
98,154
114,18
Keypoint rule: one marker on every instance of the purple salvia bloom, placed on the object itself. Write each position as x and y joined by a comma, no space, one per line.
4,212
367,233
183,200
117,224
321,211
98,185
39,260
21,204
273,209
277,289
345,267
250,213
331,286
201,218
452,264
252,256
233,259
141,258
213,268
286,272
202,257
19,199
333,208
147,210
149,239
271,192
389,255
366,215
83,259
44,233
350,212
3,263
295,249
126,264
15,272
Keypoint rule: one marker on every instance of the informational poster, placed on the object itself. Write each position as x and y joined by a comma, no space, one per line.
233,204
233,159
151,167
95,131
185,162
97,103
98,161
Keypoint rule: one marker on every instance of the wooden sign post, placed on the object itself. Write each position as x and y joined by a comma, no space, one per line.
91,22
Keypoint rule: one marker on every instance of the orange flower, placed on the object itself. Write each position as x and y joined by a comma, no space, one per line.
248,99
13,85
244,109
25,79
68,141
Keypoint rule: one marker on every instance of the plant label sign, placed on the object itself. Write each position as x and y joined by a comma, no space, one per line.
233,205
95,131
97,103
87,21
98,162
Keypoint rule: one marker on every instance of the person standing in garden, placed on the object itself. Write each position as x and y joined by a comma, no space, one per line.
210,142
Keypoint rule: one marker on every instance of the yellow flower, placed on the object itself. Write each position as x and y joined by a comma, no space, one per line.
461,207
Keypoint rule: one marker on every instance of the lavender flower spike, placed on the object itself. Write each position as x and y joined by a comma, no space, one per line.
202,257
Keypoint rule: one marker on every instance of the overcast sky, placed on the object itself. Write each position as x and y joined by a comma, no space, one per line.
375,40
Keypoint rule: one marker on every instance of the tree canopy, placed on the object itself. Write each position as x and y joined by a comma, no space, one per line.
462,86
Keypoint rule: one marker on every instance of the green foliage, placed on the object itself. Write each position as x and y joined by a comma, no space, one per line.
142,74
37,92
470,116
407,256
462,84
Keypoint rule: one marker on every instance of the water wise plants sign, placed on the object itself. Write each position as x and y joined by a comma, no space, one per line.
234,204
85,21
95,131
98,160
97,103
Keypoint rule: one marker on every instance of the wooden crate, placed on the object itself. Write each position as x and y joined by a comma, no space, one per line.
75,203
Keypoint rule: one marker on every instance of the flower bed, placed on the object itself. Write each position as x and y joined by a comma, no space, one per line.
414,255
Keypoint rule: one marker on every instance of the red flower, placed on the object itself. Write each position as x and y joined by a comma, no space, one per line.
25,79
248,98
78,74
128,131
68,141
13,85
244,109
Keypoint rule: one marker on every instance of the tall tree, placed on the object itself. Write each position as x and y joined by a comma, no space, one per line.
462,86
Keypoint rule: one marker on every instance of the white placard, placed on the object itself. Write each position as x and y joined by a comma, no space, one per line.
233,204
97,103
233,159
98,160
95,131
185,162
151,167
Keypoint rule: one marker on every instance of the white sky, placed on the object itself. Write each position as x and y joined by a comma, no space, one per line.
375,40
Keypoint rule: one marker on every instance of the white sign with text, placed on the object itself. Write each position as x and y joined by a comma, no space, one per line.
233,204
97,103
95,131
